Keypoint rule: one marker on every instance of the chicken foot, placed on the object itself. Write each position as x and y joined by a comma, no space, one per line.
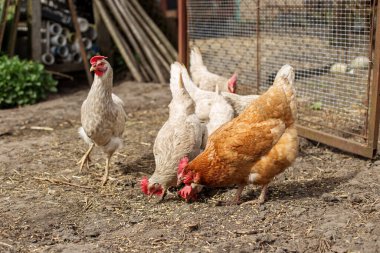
236,200
85,158
261,198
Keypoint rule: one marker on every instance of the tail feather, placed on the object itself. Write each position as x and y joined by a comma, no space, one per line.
196,57
217,91
84,136
188,83
175,76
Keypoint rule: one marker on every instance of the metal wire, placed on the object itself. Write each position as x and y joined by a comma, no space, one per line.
328,42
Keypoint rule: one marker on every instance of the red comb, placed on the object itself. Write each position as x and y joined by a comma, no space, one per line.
144,185
233,79
182,164
96,58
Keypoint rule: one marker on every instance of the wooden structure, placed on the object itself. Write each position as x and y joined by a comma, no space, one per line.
34,28
340,109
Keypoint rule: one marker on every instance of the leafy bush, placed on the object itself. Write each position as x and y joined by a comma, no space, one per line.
23,82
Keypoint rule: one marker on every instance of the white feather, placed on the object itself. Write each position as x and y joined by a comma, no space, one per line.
117,100
114,144
84,136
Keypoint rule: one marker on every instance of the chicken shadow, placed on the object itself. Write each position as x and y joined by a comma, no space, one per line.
290,190
294,190
143,164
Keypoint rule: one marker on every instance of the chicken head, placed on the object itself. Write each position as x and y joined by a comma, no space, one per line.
150,188
99,65
232,83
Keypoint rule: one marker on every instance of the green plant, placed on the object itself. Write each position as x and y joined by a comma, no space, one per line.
316,106
23,82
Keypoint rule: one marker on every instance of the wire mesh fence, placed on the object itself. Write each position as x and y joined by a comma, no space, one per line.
329,43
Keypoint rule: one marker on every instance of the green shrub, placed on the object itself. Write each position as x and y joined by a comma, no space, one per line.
23,82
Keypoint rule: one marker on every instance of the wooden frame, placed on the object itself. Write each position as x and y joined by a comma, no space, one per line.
368,149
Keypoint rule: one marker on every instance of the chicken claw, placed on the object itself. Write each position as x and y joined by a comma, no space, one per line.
260,200
85,158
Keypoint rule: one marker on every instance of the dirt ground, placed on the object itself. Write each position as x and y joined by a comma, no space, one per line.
327,202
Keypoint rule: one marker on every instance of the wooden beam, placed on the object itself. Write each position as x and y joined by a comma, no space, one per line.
119,41
119,15
104,39
78,38
374,102
3,21
34,29
337,142
182,32
13,34
154,28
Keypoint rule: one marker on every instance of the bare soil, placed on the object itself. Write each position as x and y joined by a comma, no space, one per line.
327,202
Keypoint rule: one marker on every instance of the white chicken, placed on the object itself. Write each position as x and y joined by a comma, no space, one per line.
204,99
102,115
220,112
180,136
207,80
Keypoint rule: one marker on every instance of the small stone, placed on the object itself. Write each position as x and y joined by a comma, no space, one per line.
355,198
368,209
338,249
265,238
330,235
330,198
51,192
369,227
92,233
245,232
134,220
262,208
192,227
304,143
298,211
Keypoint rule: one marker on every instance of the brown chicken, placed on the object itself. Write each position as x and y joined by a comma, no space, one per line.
252,148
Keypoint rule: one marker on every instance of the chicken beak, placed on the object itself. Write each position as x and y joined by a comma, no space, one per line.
93,68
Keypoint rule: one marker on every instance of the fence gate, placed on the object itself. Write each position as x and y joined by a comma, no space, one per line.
332,44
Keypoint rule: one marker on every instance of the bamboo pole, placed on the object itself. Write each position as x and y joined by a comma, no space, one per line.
155,39
156,30
152,44
120,43
13,35
115,8
182,33
144,43
78,38
3,21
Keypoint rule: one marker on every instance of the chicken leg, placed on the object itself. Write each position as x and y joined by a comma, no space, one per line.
236,200
106,171
85,157
261,198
